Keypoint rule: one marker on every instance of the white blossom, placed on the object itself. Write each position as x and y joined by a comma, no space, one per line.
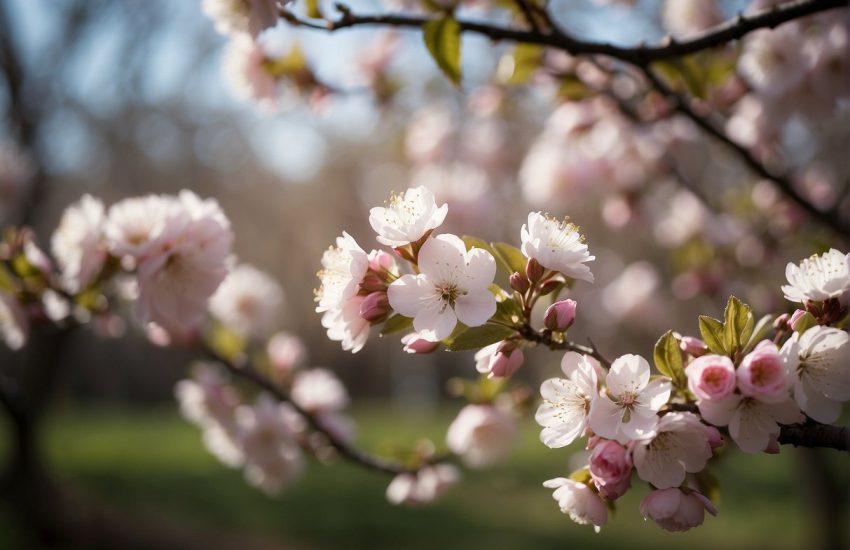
680,446
247,301
818,278
407,218
567,401
246,71
751,422
556,245
628,410
14,325
452,285
578,501
78,244
683,17
207,398
822,377
423,486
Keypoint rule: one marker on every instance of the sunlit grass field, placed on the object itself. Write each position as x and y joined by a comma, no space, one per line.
151,462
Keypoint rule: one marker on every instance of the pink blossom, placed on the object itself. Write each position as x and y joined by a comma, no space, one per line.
693,346
611,468
561,315
499,360
680,446
794,321
375,307
763,374
319,390
78,243
286,352
676,510
578,501
423,486
711,377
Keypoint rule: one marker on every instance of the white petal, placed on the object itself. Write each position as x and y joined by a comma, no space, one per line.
435,322
628,374
719,413
605,417
443,258
480,270
475,307
409,294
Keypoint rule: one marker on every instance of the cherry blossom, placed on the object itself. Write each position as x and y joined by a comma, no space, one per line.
676,510
343,268
482,435
561,315
78,245
14,325
414,343
247,301
208,397
286,352
683,17
711,377
822,377
628,410
499,360
764,374
407,218
567,401
610,468
818,278
579,502
557,245
751,421
452,286
423,486
319,390
241,16
139,227
680,446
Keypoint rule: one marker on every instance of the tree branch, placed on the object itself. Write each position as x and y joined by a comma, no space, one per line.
544,337
345,450
815,434
782,181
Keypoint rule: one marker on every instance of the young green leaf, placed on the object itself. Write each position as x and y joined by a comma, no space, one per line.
761,329
442,38
805,322
739,324
397,323
668,359
711,331
478,337
510,256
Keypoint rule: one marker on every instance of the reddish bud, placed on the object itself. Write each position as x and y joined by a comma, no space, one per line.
550,286
693,346
794,321
413,343
375,307
519,282
534,271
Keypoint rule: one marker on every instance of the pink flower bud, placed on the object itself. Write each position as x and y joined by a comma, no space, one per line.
781,322
381,261
413,343
693,346
711,377
375,307
519,282
372,283
499,360
534,271
560,315
610,468
763,374
676,510
795,318
715,439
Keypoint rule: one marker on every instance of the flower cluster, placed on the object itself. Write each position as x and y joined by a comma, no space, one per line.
664,429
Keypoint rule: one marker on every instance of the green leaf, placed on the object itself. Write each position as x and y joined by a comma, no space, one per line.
738,326
511,256
761,329
396,323
668,359
478,337
572,88
474,242
520,64
711,331
806,322
225,342
442,38
313,9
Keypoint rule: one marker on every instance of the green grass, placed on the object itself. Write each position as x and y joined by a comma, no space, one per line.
153,462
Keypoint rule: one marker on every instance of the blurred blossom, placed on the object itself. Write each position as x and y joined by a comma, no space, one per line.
78,243
684,218
286,352
633,293
422,486
242,16
684,17
247,301
208,398
482,435
428,133
14,324
318,390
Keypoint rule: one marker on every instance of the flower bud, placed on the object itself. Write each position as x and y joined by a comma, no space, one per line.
549,286
534,271
795,318
693,346
715,439
519,282
381,261
372,283
499,360
610,468
781,322
413,343
560,315
375,307
676,510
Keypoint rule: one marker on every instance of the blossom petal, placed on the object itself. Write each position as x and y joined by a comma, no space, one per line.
475,307
409,294
435,322
628,374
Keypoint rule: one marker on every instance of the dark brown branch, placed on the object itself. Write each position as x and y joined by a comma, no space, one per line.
782,181
345,450
814,434
544,337
730,30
